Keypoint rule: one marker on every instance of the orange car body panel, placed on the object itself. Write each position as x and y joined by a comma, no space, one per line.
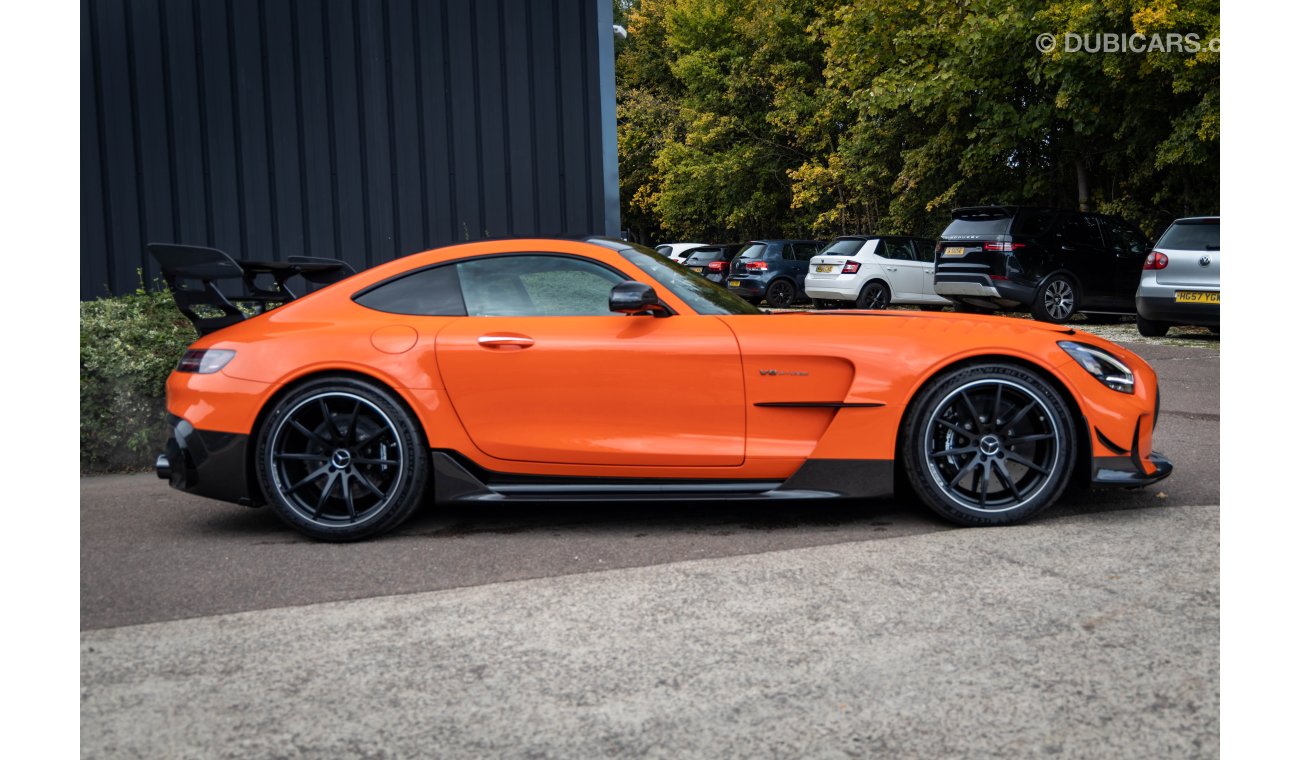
639,396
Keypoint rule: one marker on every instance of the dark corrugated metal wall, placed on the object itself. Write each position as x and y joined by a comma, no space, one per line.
359,129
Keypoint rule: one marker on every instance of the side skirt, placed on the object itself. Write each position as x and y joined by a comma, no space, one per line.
458,480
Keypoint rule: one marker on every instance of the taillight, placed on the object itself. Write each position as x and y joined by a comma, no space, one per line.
851,267
205,361
1156,260
756,266
716,266
1006,247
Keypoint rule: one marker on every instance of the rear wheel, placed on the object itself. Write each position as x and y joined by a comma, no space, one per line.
1056,300
990,444
1148,328
341,459
780,294
874,295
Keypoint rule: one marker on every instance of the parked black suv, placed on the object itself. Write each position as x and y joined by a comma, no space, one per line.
1053,261
772,270
712,260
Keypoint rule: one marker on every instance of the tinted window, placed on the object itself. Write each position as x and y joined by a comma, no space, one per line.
1122,238
924,249
787,252
897,249
978,227
1076,229
705,255
1191,236
846,247
805,251
430,292
1034,222
753,251
540,285
665,249
698,293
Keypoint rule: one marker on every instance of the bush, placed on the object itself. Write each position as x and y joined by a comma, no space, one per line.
129,344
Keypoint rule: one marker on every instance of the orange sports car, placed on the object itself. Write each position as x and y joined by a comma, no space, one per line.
595,369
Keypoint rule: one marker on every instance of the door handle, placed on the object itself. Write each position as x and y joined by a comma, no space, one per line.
891,269
497,341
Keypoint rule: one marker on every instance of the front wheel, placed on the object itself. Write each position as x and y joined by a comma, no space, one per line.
340,459
990,444
1056,300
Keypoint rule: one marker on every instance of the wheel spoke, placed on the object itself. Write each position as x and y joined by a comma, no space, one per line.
958,429
984,483
316,473
368,485
1004,475
303,456
370,438
311,434
352,425
1013,456
375,461
1020,415
329,421
324,494
963,471
347,497
997,406
1030,438
975,416
953,452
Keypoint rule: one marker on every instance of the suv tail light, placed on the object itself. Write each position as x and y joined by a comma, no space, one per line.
1156,260
756,266
1007,247
716,266
851,267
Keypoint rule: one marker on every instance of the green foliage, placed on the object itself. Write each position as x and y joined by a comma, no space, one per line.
129,345
741,118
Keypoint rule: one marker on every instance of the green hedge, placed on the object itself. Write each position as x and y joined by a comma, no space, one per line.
129,345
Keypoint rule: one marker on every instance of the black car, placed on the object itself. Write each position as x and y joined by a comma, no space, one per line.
1053,261
773,270
712,260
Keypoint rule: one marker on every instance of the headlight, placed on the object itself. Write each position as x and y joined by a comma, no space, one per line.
1108,370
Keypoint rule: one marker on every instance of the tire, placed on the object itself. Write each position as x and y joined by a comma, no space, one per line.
1056,301
1151,329
341,459
780,294
874,295
825,304
989,444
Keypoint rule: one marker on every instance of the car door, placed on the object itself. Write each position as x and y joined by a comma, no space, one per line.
539,370
1080,250
1128,250
904,272
924,251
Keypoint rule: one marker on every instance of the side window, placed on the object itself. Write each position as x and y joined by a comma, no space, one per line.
535,285
804,251
1034,222
787,252
1122,238
896,249
429,292
924,249
1079,230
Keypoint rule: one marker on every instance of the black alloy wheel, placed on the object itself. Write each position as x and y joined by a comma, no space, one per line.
874,295
780,294
1056,300
990,444
341,459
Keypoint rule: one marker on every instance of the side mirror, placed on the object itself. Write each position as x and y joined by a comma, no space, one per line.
632,297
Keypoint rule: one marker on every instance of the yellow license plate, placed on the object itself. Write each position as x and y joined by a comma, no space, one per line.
955,250
697,269
824,267
1195,296
734,283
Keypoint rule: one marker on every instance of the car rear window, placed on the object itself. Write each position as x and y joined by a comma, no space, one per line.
1198,235
754,251
842,247
706,254
978,227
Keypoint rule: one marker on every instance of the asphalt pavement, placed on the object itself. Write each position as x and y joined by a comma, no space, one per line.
666,630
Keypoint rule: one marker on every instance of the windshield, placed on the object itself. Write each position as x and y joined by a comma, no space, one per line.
698,293
1191,235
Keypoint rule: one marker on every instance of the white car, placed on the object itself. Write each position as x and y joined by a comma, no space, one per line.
871,272
678,251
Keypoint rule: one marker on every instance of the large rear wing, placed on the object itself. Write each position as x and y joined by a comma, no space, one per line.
193,273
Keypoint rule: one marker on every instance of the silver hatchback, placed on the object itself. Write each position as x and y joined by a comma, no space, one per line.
1180,278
